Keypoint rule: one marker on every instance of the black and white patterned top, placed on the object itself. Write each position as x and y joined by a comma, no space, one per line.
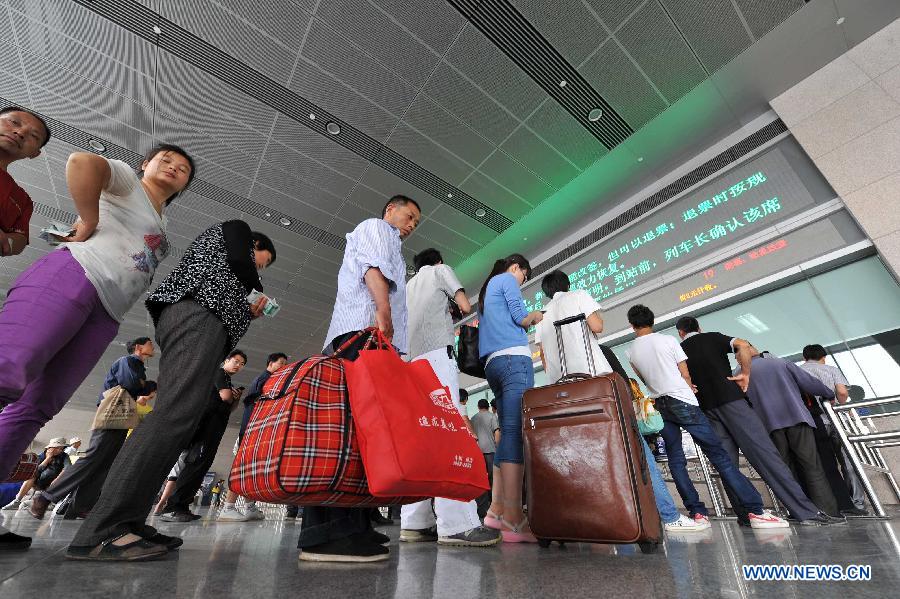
218,270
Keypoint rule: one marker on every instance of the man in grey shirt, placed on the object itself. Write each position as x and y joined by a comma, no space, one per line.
775,392
829,440
431,338
485,425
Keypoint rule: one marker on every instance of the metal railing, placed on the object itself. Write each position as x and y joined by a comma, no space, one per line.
863,445
859,438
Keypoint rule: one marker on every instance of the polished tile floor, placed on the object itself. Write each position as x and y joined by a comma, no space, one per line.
259,559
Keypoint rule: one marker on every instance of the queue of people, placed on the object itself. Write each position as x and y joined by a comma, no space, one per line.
72,300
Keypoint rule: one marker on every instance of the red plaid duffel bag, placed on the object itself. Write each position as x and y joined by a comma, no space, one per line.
25,469
300,446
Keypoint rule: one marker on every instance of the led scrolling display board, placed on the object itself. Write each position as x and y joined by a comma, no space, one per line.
739,203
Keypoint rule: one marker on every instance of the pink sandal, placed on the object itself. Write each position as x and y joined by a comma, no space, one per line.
493,521
515,534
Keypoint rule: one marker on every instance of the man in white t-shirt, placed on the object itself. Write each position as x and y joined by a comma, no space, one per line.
431,338
661,364
565,304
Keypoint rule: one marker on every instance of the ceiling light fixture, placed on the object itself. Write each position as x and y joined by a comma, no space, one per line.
480,212
840,21
157,30
595,115
640,158
449,195
333,128
752,323
563,83
268,214
96,146
285,221
312,116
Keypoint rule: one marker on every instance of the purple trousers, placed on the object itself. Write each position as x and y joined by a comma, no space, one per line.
53,330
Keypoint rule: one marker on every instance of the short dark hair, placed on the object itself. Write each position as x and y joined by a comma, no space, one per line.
493,403
275,357
483,404
262,243
814,352
237,352
554,282
166,148
463,395
688,324
428,257
640,316
129,347
35,115
400,200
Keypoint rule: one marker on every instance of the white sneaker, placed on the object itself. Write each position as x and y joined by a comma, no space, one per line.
254,513
685,524
231,514
12,505
767,520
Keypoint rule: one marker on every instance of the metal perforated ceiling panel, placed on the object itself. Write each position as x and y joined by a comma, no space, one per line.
455,103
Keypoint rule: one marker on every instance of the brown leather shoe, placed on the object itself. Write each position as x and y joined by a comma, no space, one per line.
39,506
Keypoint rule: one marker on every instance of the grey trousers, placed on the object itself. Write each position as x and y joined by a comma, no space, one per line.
797,446
193,344
87,475
738,426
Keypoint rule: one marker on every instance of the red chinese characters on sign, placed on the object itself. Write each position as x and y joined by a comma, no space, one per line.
756,254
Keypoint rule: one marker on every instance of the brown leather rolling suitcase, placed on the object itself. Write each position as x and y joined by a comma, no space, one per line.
587,479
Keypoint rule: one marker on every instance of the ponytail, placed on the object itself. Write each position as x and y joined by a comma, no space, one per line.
500,266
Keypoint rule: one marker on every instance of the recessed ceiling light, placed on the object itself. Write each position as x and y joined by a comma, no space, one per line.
333,128
640,158
268,214
157,30
563,83
524,239
96,146
312,116
480,212
840,21
449,195
595,115
285,221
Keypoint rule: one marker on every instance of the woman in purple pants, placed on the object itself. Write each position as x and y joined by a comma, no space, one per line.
65,309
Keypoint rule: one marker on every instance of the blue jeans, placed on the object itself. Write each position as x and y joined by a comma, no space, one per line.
677,415
665,505
510,377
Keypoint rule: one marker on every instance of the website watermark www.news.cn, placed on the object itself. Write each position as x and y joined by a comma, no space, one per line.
808,572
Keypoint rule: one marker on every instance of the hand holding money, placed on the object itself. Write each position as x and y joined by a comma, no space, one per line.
269,308
56,232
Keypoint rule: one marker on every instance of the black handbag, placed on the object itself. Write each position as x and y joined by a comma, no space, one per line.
467,358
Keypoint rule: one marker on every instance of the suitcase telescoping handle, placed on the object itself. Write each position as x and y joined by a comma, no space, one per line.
559,324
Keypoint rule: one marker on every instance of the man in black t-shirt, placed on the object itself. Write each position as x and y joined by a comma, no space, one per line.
202,451
723,399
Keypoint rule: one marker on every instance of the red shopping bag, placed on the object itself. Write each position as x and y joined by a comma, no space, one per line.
412,438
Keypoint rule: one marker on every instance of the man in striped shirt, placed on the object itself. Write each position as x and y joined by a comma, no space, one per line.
371,292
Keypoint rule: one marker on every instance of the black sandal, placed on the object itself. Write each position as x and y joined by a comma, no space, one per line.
136,551
170,543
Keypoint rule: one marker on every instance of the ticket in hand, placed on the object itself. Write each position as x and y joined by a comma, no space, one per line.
56,230
270,309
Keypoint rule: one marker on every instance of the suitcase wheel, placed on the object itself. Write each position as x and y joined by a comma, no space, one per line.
648,547
544,543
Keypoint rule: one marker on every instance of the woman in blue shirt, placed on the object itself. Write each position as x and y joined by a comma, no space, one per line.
503,344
